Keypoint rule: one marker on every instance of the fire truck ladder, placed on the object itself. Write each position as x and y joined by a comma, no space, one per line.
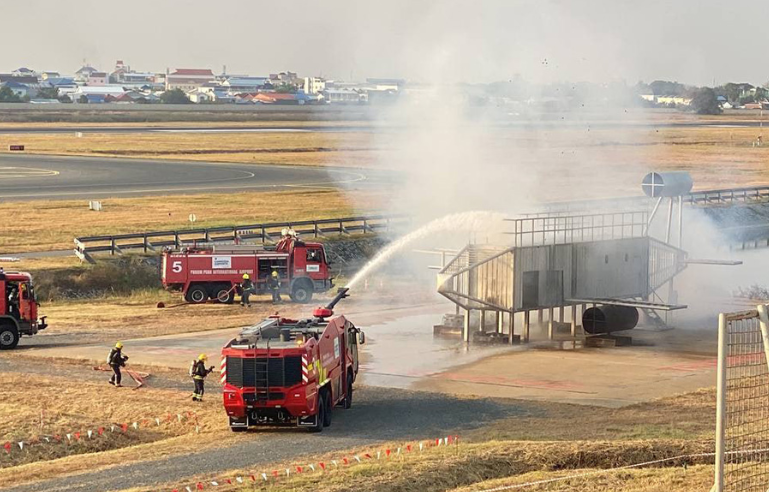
262,377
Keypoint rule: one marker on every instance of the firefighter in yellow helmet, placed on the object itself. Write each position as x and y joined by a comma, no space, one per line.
274,284
199,372
116,360
246,289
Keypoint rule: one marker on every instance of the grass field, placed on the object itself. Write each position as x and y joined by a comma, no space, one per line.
520,450
542,443
50,225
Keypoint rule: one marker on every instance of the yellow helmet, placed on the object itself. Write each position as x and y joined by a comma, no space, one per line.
119,345
202,357
274,273
246,276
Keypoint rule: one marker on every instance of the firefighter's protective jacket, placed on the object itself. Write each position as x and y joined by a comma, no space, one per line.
115,357
200,371
246,284
273,283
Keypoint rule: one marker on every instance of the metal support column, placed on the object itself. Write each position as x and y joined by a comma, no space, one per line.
511,314
466,327
560,314
526,325
680,221
574,321
539,316
550,323
482,324
500,322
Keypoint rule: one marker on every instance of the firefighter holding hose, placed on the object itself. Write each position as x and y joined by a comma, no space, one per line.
116,360
199,372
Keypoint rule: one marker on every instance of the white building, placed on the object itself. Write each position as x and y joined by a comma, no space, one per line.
314,85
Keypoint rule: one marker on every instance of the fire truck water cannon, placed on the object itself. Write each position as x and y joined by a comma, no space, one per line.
291,372
321,312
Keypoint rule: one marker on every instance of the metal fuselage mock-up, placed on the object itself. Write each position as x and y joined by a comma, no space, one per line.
203,273
18,308
290,372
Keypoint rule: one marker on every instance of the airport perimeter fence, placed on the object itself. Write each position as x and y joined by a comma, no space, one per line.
266,233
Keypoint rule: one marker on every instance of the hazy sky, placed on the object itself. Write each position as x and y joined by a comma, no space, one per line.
691,41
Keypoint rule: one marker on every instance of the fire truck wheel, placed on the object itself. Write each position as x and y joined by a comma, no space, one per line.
318,427
197,294
9,336
327,413
302,292
224,294
348,399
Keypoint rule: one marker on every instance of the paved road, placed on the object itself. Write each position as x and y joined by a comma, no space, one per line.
34,177
501,123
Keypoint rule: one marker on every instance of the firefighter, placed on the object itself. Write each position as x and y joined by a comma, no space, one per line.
116,360
246,289
274,284
199,372
13,301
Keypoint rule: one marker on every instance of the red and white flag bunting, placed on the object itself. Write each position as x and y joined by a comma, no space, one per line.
310,468
97,431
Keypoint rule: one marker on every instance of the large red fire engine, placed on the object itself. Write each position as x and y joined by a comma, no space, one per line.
291,372
215,271
18,308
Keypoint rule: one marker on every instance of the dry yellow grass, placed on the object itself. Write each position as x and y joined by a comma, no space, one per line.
300,148
49,225
63,403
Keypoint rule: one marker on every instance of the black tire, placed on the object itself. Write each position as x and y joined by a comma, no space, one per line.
347,402
9,336
327,414
302,292
223,293
197,294
318,427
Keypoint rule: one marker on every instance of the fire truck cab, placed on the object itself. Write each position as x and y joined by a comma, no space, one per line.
18,309
290,372
215,272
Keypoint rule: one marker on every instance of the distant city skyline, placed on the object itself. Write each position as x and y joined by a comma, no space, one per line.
692,42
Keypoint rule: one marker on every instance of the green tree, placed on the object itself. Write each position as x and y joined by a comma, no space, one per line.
48,93
285,88
174,96
7,95
705,101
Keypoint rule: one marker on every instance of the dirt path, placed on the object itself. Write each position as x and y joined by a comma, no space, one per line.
378,415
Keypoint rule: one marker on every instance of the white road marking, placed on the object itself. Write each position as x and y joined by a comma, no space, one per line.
25,172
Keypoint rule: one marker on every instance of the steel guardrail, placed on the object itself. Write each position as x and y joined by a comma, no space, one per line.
263,233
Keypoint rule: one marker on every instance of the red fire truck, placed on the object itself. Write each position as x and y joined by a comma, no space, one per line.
213,272
18,309
291,372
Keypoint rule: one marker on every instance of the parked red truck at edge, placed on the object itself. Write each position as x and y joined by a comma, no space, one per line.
18,309
291,372
212,272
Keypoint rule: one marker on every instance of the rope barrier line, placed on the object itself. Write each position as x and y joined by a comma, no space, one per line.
609,470
98,430
323,467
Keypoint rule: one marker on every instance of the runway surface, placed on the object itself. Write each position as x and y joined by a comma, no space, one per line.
38,177
545,124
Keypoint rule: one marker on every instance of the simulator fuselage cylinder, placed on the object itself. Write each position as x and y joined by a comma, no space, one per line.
607,319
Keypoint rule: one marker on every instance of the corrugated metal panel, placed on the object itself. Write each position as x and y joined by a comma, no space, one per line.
611,269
